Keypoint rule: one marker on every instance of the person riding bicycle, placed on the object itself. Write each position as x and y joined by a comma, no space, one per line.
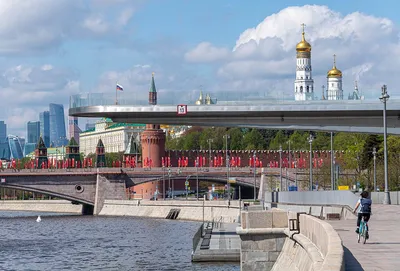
363,207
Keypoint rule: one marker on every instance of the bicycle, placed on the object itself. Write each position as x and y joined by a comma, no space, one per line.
363,231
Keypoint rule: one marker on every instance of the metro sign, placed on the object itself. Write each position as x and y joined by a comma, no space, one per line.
3,180
181,109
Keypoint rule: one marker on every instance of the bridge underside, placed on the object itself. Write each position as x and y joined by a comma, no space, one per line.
318,115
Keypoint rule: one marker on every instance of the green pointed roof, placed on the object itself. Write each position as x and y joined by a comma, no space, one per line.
153,85
72,142
100,143
40,144
132,146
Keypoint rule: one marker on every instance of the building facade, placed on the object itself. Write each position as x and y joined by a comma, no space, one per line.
304,83
33,131
58,136
15,147
73,128
3,131
115,136
44,118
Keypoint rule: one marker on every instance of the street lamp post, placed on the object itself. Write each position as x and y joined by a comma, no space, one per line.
148,146
384,99
295,168
163,178
332,169
169,182
290,156
374,154
197,180
209,151
227,165
255,180
311,164
280,169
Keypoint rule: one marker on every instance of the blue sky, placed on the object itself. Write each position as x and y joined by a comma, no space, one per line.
64,47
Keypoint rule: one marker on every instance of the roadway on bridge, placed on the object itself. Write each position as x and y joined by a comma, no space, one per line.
382,250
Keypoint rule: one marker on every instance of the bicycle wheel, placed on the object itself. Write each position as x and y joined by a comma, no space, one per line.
364,236
360,231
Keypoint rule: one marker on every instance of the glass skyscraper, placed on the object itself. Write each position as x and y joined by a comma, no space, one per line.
33,128
44,118
3,131
15,147
57,125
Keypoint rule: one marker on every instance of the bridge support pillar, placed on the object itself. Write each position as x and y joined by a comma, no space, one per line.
108,188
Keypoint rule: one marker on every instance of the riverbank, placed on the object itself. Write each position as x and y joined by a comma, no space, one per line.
221,211
51,206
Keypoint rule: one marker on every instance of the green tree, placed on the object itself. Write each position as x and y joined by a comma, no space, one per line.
322,141
279,139
236,139
253,140
299,141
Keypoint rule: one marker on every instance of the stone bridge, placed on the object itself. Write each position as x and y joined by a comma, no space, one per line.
91,186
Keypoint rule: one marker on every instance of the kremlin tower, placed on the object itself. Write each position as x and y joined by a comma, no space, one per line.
334,83
304,84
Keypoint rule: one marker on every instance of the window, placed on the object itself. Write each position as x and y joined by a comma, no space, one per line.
308,89
301,89
333,84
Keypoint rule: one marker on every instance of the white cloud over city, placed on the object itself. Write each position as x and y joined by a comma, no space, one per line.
260,61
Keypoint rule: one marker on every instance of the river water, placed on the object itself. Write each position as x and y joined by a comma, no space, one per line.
69,242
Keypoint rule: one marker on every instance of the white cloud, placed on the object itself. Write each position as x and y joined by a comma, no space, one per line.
27,90
206,52
36,25
263,58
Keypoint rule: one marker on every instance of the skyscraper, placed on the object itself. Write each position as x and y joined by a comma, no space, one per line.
57,125
44,118
33,131
3,131
15,147
73,129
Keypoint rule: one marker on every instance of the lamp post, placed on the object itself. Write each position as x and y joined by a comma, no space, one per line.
332,169
311,164
197,179
374,154
148,147
295,167
169,182
163,178
209,141
227,165
280,169
383,99
290,156
255,181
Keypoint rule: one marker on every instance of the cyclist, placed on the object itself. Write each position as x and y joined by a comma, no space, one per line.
363,207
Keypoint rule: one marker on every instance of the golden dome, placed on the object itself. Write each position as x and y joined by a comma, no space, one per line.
303,45
334,72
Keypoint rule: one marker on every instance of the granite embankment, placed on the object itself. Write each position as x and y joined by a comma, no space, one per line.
221,211
271,242
53,206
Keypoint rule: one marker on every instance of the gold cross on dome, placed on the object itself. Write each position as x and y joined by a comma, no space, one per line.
303,25
334,60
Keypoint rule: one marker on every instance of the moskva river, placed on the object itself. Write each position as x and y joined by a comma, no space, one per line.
65,242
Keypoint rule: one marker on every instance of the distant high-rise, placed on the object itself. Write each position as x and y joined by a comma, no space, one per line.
57,125
3,131
44,118
73,129
33,131
15,147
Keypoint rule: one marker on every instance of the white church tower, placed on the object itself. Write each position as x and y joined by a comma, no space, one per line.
304,84
334,83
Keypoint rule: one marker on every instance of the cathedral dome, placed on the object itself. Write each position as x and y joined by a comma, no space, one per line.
334,72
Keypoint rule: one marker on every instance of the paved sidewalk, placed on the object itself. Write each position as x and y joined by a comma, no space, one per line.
382,250
224,245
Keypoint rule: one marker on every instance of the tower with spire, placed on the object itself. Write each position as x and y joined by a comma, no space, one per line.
334,82
304,84
153,91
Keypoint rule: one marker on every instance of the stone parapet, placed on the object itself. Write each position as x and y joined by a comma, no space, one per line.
267,243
